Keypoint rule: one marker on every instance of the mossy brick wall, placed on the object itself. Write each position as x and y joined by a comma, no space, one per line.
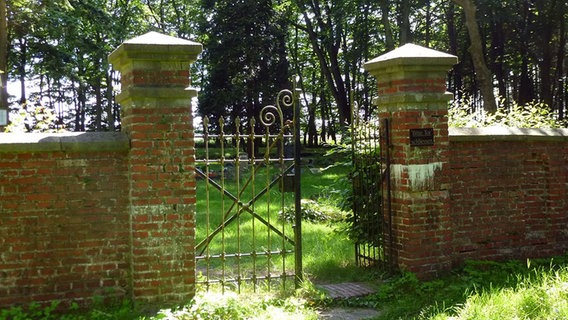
64,231
156,114
509,193
98,214
412,95
472,193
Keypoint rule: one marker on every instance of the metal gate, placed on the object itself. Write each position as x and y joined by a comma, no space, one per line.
248,179
371,190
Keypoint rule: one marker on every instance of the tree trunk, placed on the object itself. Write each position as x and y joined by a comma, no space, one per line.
456,73
324,117
326,48
498,55
109,100
560,70
404,22
3,56
389,39
526,92
98,103
482,73
22,70
428,23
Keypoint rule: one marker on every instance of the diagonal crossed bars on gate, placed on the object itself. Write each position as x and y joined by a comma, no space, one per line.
244,207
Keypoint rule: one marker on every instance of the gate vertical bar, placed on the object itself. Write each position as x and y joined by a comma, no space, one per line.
207,197
237,138
252,163
222,158
386,177
297,187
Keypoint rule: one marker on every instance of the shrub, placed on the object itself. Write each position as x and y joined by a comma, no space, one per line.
312,212
531,115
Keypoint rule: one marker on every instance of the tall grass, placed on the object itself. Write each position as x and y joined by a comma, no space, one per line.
541,294
484,290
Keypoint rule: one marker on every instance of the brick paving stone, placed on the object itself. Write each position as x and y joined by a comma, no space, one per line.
347,290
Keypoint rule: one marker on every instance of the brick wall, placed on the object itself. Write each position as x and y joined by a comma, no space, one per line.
156,114
411,86
64,231
107,214
509,193
469,193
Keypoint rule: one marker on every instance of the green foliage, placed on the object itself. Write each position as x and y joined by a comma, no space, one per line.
204,306
361,190
30,118
245,60
537,293
531,115
312,211
55,311
230,306
33,311
535,289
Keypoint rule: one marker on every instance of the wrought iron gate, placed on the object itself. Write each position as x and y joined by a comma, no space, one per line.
248,175
371,187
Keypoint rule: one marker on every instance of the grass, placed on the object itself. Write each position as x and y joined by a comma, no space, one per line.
481,290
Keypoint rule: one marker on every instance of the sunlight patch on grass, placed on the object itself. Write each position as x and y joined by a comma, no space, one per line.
213,305
541,296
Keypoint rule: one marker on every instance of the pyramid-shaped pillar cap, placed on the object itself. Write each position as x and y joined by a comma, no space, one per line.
411,54
156,46
157,38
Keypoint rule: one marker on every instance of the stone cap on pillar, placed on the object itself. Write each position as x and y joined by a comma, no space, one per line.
411,74
409,55
156,46
155,65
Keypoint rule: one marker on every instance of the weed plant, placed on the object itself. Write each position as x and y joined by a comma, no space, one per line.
530,115
480,290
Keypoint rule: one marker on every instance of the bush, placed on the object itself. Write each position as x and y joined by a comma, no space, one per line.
531,115
312,212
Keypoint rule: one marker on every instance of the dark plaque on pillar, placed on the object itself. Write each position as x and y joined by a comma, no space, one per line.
421,137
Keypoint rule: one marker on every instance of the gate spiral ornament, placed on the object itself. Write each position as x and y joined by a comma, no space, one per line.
270,113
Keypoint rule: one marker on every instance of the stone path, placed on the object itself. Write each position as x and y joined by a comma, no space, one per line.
347,290
344,291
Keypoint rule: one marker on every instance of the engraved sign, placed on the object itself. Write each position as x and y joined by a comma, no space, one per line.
422,137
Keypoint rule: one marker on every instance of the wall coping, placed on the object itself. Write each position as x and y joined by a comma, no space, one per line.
507,134
154,46
411,55
66,142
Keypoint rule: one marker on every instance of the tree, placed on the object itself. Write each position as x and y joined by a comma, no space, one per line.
245,59
60,48
3,56
325,29
482,72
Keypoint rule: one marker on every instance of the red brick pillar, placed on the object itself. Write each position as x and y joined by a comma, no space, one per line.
156,114
412,96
